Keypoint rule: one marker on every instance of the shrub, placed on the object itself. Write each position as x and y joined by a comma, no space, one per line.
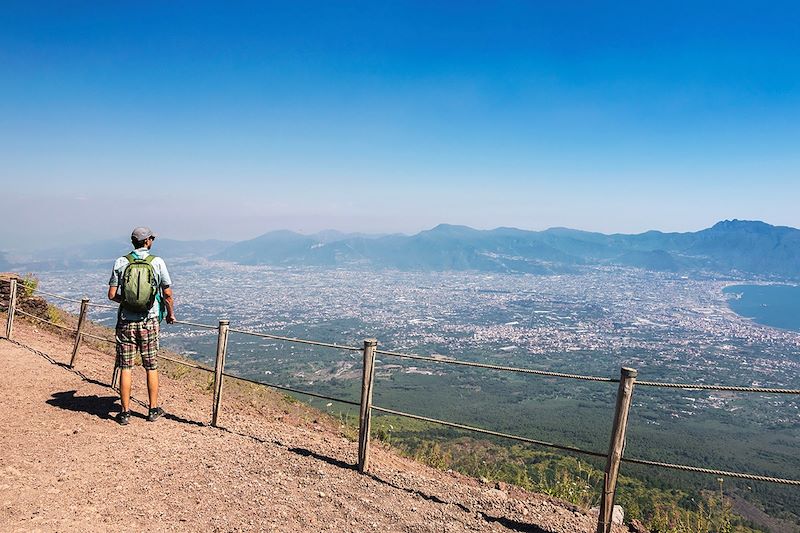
54,314
29,285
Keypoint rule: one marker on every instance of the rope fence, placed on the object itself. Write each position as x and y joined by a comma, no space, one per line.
98,338
688,386
731,388
614,456
487,432
686,468
289,389
726,473
495,367
50,294
184,363
295,340
21,312
104,306
194,324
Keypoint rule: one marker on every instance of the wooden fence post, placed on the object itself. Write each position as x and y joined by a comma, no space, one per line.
12,307
79,331
115,375
616,448
219,368
365,414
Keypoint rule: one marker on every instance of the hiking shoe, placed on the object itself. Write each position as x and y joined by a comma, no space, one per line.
123,418
154,413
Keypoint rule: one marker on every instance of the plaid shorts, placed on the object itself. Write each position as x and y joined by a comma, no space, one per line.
137,338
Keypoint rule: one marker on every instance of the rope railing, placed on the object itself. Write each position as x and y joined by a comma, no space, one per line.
274,337
39,291
98,338
687,386
726,473
295,340
686,468
104,306
289,389
194,324
496,367
487,431
731,388
185,363
40,319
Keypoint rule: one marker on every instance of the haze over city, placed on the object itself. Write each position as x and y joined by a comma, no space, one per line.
205,122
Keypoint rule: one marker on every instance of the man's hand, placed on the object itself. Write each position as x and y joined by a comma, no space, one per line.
170,319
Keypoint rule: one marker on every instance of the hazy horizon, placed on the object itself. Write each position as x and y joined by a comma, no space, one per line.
33,245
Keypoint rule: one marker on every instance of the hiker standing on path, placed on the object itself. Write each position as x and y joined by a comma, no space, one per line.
141,284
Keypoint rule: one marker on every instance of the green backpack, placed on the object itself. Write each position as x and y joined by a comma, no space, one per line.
139,287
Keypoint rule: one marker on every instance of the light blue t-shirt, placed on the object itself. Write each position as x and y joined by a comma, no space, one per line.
162,281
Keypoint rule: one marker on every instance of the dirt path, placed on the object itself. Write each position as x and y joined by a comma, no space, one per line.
65,465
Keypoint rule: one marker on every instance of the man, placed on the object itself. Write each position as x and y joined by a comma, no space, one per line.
137,322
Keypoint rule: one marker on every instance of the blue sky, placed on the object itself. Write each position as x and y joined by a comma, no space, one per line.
211,121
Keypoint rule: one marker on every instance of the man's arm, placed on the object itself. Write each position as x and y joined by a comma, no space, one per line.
113,284
167,293
166,290
112,294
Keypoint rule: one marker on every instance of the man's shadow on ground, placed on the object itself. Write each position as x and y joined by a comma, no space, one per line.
103,407
99,406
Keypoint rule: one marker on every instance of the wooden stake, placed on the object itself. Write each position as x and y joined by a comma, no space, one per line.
616,448
12,307
79,331
365,414
219,368
115,375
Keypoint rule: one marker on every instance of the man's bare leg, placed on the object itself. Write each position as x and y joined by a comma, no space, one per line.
152,387
125,388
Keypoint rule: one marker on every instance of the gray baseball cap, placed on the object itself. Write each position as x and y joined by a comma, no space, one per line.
142,233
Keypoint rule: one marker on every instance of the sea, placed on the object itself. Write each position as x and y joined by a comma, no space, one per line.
777,306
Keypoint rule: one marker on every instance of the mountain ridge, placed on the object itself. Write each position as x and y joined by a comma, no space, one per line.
729,247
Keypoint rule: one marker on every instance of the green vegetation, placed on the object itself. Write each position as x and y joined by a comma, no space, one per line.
661,508
28,286
54,314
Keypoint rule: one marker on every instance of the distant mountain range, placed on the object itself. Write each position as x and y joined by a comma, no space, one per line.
729,247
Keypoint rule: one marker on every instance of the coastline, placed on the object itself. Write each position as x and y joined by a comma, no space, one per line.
765,304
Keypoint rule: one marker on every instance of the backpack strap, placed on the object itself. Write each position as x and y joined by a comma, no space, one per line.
131,257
